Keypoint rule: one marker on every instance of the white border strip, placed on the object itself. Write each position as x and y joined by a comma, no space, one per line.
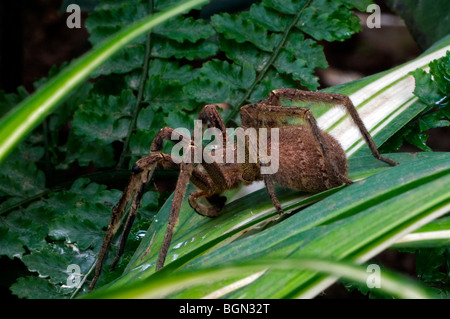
430,235
234,286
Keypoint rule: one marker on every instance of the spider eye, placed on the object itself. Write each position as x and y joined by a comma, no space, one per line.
136,169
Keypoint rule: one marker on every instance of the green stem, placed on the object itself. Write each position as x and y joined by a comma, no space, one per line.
140,95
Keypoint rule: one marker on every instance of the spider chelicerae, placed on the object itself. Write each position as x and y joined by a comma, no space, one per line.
309,160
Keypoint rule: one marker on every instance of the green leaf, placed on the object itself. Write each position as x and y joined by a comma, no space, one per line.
241,29
426,90
273,80
9,100
288,7
440,69
31,227
195,235
83,232
182,29
419,140
86,153
361,5
166,49
114,120
434,234
329,21
433,120
244,54
104,119
21,179
34,288
270,19
10,246
221,82
430,263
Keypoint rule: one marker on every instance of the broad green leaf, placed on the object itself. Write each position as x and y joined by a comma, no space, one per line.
381,119
432,267
9,100
426,89
31,227
21,179
65,227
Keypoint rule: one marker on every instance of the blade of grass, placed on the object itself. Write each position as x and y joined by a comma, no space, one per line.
160,286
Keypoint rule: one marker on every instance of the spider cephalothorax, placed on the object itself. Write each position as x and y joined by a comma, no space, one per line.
308,159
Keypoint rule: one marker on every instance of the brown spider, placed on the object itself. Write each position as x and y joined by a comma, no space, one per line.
310,160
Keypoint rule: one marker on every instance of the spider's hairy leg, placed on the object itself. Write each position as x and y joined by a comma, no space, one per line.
332,99
210,115
142,171
149,163
180,191
271,190
128,224
134,184
217,203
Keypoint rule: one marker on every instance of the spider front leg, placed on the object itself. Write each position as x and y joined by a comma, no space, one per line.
149,162
138,179
180,191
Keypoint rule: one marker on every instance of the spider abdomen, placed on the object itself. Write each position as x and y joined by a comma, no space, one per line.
302,165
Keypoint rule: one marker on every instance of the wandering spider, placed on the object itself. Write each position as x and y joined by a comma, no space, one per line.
309,160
